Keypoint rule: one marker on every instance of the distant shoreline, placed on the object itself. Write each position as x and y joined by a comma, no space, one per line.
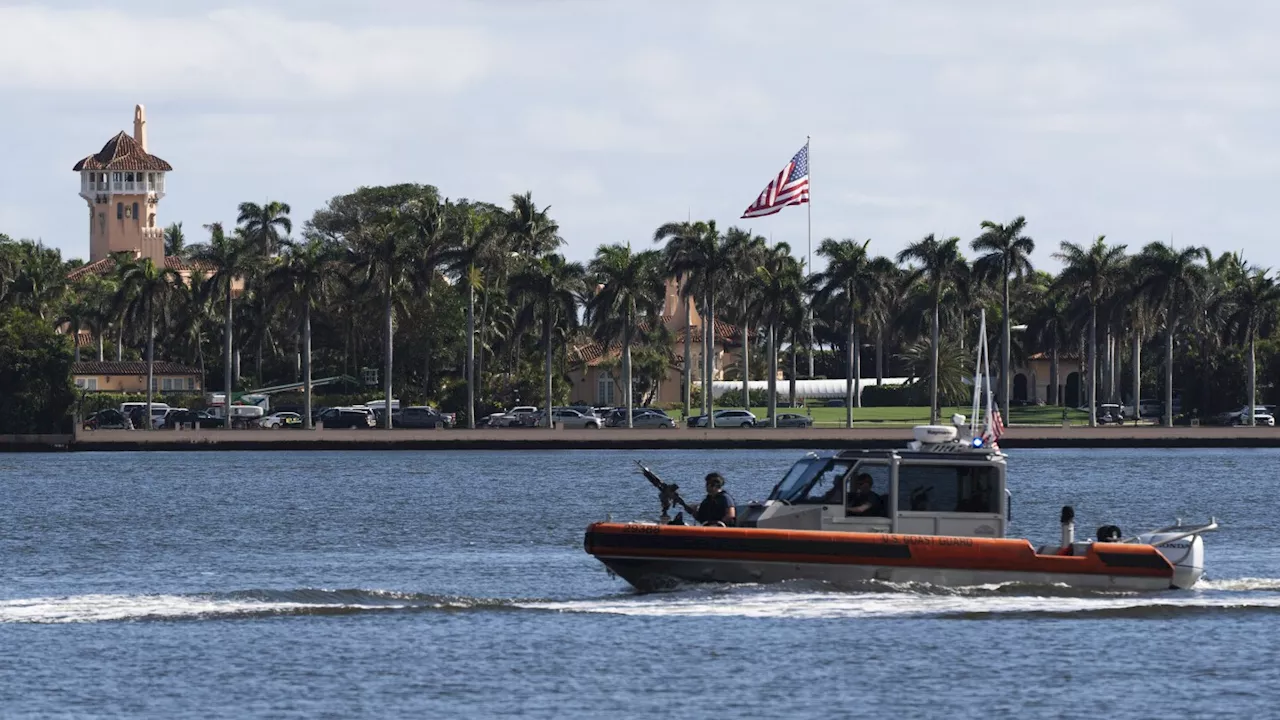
623,439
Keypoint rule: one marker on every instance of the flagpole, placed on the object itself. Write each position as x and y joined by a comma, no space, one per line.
809,251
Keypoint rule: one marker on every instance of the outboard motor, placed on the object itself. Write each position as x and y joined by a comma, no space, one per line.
1185,553
1109,533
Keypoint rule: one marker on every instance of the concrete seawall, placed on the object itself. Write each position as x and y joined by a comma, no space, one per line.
622,439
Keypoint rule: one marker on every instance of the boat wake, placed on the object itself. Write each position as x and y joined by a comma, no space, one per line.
787,600
888,600
229,605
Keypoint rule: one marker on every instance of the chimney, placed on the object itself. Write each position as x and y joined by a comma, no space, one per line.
140,126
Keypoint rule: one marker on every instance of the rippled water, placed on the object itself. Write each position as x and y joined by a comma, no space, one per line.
454,584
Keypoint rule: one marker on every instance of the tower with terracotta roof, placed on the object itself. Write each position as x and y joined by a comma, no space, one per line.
123,185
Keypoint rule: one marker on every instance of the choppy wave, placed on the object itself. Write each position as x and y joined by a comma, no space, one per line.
237,604
789,600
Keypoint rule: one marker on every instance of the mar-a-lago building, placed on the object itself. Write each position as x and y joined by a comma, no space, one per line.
123,185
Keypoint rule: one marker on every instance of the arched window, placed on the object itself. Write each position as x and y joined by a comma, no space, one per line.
136,216
119,211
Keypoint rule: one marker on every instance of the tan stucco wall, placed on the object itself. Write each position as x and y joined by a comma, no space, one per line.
109,233
134,383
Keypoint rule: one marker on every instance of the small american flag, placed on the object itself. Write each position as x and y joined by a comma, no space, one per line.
997,425
790,187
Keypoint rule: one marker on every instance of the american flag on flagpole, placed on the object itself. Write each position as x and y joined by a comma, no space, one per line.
997,427
790,187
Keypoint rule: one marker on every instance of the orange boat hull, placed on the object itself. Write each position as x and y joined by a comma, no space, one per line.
654,557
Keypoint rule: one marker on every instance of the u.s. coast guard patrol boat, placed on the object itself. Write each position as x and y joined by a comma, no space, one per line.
943,520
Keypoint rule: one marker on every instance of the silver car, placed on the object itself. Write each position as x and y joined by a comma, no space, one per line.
569,419
652,420
788,420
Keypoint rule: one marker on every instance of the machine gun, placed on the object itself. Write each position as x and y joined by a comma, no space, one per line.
668,493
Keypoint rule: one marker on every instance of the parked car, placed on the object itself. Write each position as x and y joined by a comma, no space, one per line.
1110,414
617,417
834,403
651,419
419,416
109,419
280,420
725,418
520,415
569,418
135,411
205,418
347,417
1261,416
161,421
190,417
787,420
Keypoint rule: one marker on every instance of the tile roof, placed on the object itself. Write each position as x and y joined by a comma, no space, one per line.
127,367
172,262
97,267
122,152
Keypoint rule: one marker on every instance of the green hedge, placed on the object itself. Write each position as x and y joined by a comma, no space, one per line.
910,395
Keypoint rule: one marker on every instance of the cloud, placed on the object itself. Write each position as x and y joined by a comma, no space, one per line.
238,55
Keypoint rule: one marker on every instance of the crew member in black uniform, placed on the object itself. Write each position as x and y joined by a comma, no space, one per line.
863,502
717,507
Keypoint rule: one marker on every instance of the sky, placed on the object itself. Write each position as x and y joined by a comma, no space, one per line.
1141,121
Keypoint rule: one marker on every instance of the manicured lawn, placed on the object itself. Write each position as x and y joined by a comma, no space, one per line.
906,416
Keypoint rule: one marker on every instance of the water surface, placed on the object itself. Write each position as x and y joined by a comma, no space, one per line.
454,584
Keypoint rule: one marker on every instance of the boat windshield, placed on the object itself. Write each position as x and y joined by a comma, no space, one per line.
811,476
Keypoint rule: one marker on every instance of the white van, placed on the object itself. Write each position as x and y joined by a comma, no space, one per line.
158,410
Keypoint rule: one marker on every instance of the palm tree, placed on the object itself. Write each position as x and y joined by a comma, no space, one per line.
1007,253
263,225
531,231
744,252
393,253
75,315
145,289
701,260
474,244
1096,269
193,306
548,288
780,292
681,238
891,292
1255,298
40,280
847,281
303,277
175,242
231,258
1170,279
629,294
1050,328
942,266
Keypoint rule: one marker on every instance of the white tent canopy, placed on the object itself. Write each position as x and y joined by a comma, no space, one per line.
805,389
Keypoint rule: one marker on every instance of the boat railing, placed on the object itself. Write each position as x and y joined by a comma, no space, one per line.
1180,532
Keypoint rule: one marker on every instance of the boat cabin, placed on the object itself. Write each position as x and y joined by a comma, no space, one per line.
949,488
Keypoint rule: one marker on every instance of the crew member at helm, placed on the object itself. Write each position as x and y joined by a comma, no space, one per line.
717,507
863,502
